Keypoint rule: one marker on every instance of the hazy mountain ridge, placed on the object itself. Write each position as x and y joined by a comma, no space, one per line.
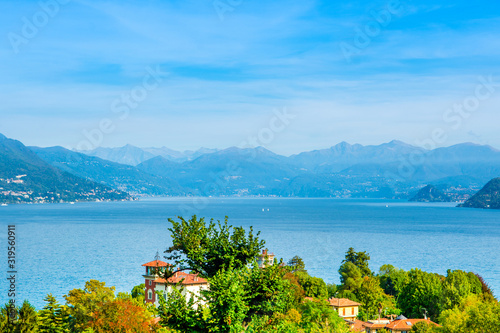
132,155
344,170
120,176
24,177
431,194
488,197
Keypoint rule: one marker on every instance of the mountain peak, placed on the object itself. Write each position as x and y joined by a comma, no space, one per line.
2,137
343,144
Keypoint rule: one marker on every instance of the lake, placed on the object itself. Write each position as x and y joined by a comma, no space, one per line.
60,246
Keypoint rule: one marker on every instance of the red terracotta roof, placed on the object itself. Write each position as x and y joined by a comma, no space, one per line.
339,302
406,324
356,325
156,263
184,278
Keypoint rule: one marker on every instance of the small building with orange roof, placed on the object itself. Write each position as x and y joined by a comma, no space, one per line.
192,284
346,308
405,325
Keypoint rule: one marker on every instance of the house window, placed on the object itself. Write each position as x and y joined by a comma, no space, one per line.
150,294
343,311
352,311
149,282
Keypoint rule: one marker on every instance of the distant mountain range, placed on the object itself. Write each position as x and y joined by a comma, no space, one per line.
132,155
120,176
389,170
25,177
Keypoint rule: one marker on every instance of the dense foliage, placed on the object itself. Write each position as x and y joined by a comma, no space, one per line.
276,297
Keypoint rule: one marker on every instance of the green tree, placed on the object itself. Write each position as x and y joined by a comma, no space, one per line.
476,314
8,318
84,303
313,286
227,300
350,276
372,298
392,280
332,289
319,316
457,286
180,313
360,259
51,318
296,264
269,292
296,289
138,292
207,249
422,294
21,319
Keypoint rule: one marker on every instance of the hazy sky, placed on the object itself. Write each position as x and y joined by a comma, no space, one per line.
186,74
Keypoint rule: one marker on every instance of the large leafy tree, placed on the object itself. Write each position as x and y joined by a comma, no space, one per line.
313,286
392,280
269,291
360,259
84,303
180,313
209,248
457,286
96,308
242,296
228,300
422,294
121,315
373,299
297,264
475,314
138,292
350,276
319,316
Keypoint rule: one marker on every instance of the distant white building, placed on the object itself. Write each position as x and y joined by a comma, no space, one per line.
265,259
192,283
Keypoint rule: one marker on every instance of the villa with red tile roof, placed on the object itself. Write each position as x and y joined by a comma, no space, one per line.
192,283
346,308
405,325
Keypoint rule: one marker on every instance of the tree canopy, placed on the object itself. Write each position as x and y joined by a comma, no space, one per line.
209,248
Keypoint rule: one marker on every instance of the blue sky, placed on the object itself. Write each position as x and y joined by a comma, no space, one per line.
225,67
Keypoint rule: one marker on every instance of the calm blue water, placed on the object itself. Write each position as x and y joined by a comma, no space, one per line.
60,246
